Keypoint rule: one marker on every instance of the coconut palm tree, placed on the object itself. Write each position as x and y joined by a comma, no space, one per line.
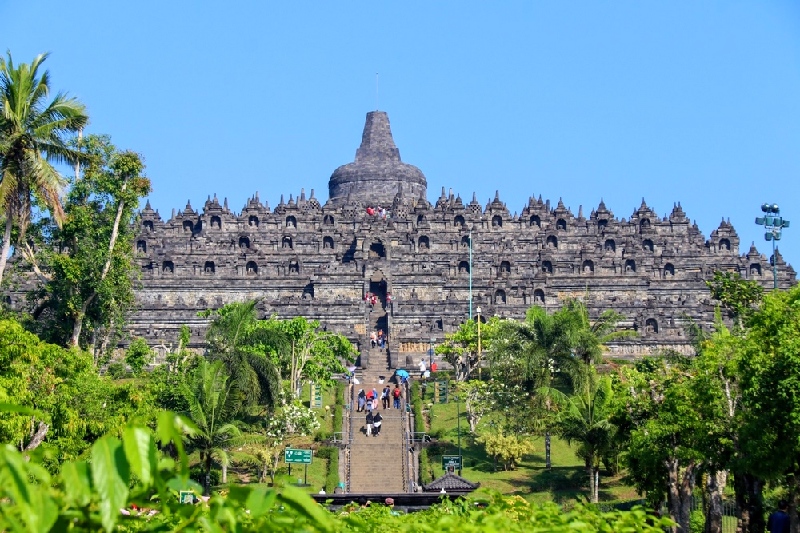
587,422
535,351
33,134
207,389
238,339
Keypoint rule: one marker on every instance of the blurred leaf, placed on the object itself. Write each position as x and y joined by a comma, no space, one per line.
110,476
140,450
77,483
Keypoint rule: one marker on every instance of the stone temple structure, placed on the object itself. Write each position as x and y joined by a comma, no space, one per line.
319,260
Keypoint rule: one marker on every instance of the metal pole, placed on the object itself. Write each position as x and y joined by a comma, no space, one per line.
470,274
774,267
479,343
458,423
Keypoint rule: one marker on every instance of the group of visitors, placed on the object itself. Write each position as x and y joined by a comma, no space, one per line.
374,421
371,299
376,211
368,400
423,368
377,338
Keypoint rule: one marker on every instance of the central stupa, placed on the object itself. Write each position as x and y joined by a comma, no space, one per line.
377,174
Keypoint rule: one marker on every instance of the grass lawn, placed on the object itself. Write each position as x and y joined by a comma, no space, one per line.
566,480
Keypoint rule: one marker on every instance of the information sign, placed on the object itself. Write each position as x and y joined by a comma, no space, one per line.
294,455
451,462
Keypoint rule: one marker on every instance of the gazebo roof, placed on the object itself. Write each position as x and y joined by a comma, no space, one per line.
451,483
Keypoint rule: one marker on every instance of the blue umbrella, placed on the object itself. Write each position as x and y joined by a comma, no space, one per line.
402,373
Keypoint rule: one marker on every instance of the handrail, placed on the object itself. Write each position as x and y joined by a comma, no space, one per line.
348,449
404,444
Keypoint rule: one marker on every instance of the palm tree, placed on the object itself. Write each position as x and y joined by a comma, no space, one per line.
587,338
33,134
533,351
587,421
207,390
235,338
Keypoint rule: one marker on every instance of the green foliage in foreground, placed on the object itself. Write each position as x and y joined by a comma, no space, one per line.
90,496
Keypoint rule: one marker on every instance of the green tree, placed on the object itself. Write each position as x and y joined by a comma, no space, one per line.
770,381
587,421
460,348
535,354
509,448
71,406
33,133
314,354
138,355
739,297
207,390
244,344
659,418
88,262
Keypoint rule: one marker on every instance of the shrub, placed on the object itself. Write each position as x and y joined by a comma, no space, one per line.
138,355
197,473
117,370
322,436
326,452
332,479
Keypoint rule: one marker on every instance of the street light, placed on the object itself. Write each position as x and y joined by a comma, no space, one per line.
478,309
458,425
430,352
773,224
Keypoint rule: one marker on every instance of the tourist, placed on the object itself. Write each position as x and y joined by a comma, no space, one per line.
373,339
370,211
778,521
370,397
322,490
422,368
376,424
370,420
362,400
434,367
385,395
396,394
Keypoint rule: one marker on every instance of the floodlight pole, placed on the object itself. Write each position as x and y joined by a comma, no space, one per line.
773,226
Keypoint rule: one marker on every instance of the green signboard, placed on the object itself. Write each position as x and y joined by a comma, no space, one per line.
293,455
316,396
186,496
451,462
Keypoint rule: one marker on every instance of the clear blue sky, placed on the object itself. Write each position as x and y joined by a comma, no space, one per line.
697,102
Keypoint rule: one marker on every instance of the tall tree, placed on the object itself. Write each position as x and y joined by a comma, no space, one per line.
536,354
587,422
770,376
314,354
245,344
665,436
88,263
737,296
206,390
460,348
33,134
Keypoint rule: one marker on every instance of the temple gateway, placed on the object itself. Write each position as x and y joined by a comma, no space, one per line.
378,234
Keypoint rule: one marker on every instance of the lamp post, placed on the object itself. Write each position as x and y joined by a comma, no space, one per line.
478,310
458,425
773,225
470,274
430,352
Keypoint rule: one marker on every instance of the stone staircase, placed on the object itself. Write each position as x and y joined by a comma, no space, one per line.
376,463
